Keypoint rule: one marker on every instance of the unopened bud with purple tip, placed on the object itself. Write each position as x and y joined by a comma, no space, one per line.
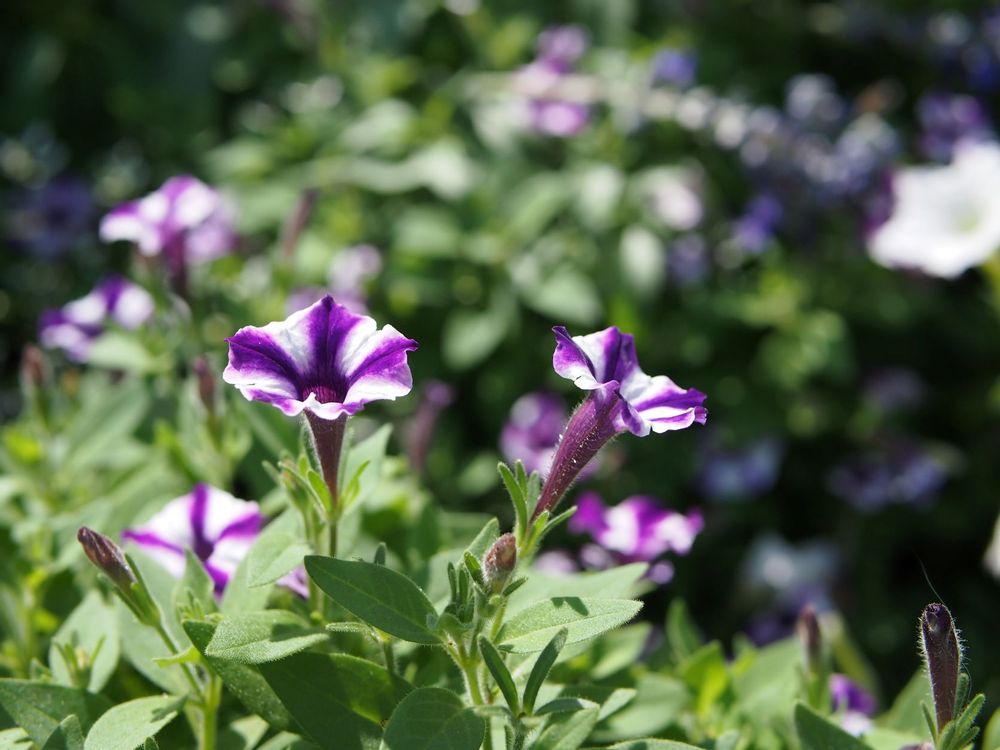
942,656
499,563
108,557
206,383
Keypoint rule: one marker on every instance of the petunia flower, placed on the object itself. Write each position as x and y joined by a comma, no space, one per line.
946,219
558,49
217,527
323,361
185,222
852,703
620,398
638,529
115,301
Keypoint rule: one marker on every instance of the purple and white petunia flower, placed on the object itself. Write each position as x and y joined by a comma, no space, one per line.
115,301
533,429
620,398
324,360
217,527
852,703
558,48
638,529
185,220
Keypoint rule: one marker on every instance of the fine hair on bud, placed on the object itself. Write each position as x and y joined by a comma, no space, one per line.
942,652
499,562
107,556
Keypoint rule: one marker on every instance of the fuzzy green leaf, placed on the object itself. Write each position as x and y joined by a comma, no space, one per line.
433,719
127,725
39,707
567,730
258,637
818,733
273,557
533,628
378,595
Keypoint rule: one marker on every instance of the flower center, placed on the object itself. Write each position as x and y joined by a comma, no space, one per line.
324,394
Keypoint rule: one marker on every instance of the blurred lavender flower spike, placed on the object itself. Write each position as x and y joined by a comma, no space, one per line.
638,529
50,220
217,527
324,360
945,219
185,220
948,119
350,271
115,301
744,472
854,705
532,431
676,67
620,398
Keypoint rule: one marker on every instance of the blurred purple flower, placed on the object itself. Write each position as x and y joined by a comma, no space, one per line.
744,472
557,562
899,472
676,67
812,102
532,431
217,527
49,220
638,529
115,301
620,398
755,228
948,119
558,49
350,271
854,705
688,260
324,360
185,222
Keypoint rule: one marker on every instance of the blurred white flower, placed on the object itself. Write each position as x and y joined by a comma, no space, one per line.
992,558
945,219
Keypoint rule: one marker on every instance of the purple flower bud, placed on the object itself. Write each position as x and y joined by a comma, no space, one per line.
942,657
435,397
499,562
33,367
810,637
107,556
206,383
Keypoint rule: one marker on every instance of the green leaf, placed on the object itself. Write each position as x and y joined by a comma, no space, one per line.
68,735
107,419
494,663
127,725
479,546
363,467
243,681
533,628
242,734
659,702
39,707
116,350
470,336
706,675
818,733
287,741
382,597
682,634
258,637
610,699
567,731
93,622
543,664
612,583
433,719
341,702
991,735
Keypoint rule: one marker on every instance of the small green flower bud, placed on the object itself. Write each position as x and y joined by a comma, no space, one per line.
942,657
499,563
107,556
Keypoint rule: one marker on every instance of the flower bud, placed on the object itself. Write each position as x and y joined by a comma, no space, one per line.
499,563
942,656
807,627
206,383
107,556
33,367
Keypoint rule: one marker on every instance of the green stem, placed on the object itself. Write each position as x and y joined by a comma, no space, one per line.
174,651
390,659
210,713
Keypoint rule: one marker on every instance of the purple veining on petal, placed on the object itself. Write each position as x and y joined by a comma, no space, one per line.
323,358
217,527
